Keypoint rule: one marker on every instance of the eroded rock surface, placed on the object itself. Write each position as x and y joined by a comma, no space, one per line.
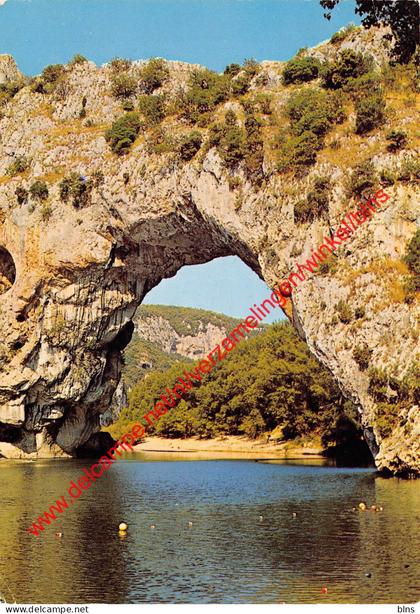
81,271
193,342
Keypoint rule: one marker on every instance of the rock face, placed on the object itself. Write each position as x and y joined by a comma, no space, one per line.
9,71
156,325
74,275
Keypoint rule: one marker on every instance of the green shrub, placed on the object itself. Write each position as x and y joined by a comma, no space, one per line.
123,133
315,203
20,165
261,103
232,70
328,266
123,86
367,84
253,426
404,392
378,384
39,190
313,110
386,418
154,74
299,70
190,145
232,146
82,112
370,113
236,144
77,59
387,177
344,312
50,77
342,34
160,142
397,140
251,67
412,255
412,259
152,107
37,85
127,105
46,211
234,183
242,81
361,355
76,188
254,149
362,178
21,195
299,151
240,85
120,65
9,89
52,73
349,65
411,285
410,169
230,140
206,89
359,313
401,387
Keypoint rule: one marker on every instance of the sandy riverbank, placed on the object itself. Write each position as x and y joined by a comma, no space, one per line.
229,447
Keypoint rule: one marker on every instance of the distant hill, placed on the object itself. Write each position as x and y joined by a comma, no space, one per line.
165,334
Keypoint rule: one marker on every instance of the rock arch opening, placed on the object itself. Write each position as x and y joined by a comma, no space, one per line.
174,324
7,270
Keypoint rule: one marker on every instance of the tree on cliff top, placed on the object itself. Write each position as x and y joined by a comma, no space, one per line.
403,17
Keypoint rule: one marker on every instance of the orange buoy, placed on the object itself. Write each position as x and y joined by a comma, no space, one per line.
324,590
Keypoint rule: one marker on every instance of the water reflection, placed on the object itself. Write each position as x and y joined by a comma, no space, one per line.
308,538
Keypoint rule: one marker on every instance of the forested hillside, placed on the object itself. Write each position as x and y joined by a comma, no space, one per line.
269,384
165,334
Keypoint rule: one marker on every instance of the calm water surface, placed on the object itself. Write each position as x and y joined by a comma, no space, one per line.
228,555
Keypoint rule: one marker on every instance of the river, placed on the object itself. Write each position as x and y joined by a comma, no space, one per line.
261,533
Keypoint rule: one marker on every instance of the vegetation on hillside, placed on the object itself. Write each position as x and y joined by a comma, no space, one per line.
401,15
346,85
142,357
256,133
186,320
412,259
123,132
270,382
391,395
301,69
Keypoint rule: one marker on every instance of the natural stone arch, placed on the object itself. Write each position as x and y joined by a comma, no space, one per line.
86,319
84,267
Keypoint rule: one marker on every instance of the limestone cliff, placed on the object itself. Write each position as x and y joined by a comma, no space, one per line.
188,332
165,334
76,268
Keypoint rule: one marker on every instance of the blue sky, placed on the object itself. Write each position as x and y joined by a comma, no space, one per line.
210,32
